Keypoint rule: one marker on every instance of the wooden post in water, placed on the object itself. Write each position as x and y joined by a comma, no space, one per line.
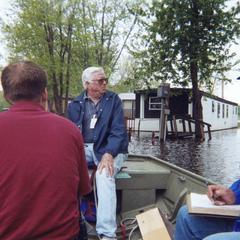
163,93
175,127
162,121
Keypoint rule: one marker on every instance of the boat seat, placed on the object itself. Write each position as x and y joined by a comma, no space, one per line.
138,181
142,175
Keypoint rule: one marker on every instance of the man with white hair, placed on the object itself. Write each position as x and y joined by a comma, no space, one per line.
99,115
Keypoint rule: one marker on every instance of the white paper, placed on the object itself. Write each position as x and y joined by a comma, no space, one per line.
202,200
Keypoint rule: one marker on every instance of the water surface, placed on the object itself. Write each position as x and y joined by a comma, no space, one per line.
217,159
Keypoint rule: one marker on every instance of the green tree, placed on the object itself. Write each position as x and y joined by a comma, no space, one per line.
125,76
3,103
66,36
187,41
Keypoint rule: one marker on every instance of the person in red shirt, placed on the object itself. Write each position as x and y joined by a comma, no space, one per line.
43,169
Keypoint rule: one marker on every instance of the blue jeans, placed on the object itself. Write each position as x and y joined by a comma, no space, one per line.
191,227
106,193
224,236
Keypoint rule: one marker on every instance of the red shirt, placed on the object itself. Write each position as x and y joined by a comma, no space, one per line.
42,173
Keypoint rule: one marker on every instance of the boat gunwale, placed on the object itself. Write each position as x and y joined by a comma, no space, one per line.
175,167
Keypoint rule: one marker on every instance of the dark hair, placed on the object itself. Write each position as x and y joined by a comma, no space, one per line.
23,80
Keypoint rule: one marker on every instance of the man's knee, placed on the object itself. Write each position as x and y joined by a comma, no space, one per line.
183,214
104,176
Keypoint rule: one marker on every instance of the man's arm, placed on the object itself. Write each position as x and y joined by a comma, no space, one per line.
117,133
73,113
70,111
115,139
235,187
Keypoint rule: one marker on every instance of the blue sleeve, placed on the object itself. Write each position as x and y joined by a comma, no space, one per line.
73,112
69,111
235,187
118,130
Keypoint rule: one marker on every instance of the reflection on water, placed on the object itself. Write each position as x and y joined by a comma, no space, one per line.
217,159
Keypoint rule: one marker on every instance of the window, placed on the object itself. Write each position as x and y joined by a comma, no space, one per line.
154,103
218,110
227,112
223,111
213,106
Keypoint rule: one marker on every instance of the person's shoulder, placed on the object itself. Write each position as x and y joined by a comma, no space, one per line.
4,112
111,94
61,120
75,101
64,126
4,115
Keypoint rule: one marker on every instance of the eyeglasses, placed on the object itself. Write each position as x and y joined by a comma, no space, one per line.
101,81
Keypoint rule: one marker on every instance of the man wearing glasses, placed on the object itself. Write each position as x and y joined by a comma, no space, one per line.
99,115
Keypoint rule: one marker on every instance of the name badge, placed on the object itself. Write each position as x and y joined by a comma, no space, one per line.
93,121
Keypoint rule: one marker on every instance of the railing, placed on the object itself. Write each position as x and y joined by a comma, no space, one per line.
185,118
130,125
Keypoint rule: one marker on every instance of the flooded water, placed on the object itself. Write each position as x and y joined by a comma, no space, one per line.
217,159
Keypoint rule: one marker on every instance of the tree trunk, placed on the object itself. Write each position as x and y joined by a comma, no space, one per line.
197,104
85,43
69,58
50,41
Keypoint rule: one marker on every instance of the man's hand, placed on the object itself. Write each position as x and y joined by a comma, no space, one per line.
107,162
221,195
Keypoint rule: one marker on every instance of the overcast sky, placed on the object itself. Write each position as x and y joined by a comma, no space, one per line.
231,90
